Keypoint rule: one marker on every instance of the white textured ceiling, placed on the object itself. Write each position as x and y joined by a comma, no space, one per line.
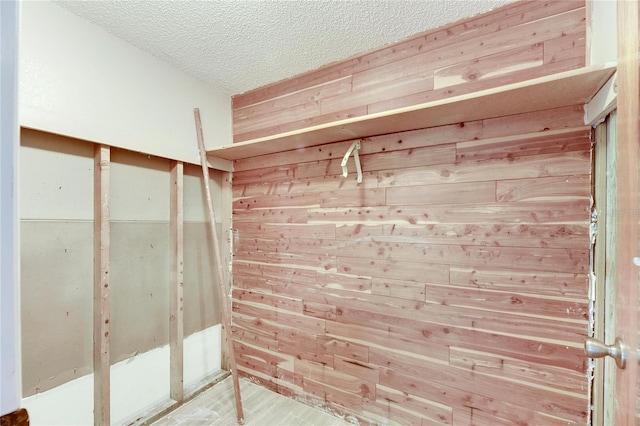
240,45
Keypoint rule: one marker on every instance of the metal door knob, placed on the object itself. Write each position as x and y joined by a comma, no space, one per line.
594,348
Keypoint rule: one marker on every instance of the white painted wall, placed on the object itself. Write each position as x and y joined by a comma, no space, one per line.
10,370
141,383
602,32
80,81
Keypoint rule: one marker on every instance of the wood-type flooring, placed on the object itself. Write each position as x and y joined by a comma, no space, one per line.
262,407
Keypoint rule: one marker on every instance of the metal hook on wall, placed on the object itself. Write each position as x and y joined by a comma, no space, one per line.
355,146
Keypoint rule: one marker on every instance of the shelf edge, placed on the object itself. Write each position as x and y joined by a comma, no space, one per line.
575,87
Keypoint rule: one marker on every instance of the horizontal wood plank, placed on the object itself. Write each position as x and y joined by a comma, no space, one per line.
543,120
430,351
295,200
547,188
450,193
554,379
490,66
530,235
568,46
354,197
280,230
301,123
428,410
553,143
559,212
498,301
543,259
467,327
545,283
409,290
332,346
328,89
521,167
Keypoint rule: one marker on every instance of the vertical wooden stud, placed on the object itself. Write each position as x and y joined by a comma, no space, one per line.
101,283
226,244
599,265
176,320
611,241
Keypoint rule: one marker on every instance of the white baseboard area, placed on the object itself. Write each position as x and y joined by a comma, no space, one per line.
137,384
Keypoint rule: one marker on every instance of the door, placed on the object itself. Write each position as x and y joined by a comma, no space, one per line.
628,211
616,384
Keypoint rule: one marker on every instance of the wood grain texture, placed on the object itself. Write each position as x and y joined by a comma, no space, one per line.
515,43
20,417
176,289
602,256
627,408
214,407
451,285
490,66
400,299
101,287
509,16
223,287
226,248
574,87
530,235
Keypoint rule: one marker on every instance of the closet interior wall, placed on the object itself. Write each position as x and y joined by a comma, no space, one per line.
57,263
451,285
520,41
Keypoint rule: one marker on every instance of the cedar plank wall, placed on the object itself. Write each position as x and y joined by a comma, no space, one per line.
517,42
449,287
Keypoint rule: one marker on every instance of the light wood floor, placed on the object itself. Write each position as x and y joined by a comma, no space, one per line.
262,407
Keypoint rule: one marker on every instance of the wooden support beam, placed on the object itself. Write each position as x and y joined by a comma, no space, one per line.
223,288
226,246
176,319
101,286
610,267
599,266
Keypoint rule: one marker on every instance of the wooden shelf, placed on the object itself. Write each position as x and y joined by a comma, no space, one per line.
575,87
